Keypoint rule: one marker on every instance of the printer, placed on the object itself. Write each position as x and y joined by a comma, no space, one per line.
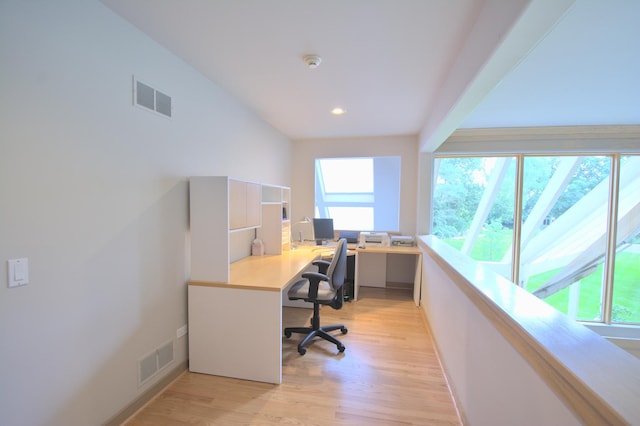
376,238
403,241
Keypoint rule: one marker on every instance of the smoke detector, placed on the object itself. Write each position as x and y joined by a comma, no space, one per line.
312,61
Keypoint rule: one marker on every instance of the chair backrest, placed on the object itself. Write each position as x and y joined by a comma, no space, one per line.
337,270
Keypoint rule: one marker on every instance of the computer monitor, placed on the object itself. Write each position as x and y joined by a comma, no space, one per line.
323,230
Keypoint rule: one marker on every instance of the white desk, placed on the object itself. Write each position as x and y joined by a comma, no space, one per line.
235,328
371,267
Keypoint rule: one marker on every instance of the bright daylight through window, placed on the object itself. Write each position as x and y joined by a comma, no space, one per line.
566,203
360,194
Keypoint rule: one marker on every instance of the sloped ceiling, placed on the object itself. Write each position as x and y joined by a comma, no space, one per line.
399,67
585,72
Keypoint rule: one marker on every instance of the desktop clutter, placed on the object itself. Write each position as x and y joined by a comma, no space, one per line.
323,233
382,239
257,247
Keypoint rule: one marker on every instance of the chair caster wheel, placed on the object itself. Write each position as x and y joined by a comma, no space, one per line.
344,330
287,334
341,349
302,351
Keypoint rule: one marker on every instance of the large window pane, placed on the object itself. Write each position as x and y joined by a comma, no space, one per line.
473,207
360,194
564,231
626,282
346,175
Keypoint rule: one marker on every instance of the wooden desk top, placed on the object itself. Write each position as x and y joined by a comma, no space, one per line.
269,272
275,272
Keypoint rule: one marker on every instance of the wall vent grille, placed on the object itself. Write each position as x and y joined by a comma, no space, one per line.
147,368
154,362
165,355
151,99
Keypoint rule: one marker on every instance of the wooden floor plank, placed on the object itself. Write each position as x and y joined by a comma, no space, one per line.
388,375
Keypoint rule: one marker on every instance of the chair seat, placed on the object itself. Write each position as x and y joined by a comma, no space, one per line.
300,290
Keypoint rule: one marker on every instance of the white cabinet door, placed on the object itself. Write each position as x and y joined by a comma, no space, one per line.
237,204
244,204
253,204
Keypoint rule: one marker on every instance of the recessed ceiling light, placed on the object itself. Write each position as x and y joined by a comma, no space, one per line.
338,111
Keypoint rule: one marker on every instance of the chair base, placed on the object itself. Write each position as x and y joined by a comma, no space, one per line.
321,332
316,331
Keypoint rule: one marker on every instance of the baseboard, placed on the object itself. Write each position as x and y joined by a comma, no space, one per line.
147,396
399,286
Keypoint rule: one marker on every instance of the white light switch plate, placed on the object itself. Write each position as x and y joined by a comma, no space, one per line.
18,272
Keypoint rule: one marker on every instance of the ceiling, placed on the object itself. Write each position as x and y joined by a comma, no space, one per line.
585,72
398,67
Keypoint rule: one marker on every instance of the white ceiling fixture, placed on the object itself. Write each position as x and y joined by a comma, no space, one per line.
312,61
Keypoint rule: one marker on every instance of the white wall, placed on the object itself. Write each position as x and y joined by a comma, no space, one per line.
306,151
492,383
94,192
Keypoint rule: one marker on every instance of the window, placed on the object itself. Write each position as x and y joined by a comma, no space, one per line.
563,241
473,207
360,194
564,249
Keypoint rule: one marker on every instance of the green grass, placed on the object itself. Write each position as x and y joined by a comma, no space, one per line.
490,247
626,287
589,299
626,293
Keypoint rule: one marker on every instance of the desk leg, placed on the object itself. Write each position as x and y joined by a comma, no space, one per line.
356,279
236,333
417,280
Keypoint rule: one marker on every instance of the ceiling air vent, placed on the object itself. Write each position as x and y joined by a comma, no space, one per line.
145,96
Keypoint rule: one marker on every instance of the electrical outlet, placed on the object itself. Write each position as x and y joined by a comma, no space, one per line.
182,331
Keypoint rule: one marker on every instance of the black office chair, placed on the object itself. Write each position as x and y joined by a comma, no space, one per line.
324,287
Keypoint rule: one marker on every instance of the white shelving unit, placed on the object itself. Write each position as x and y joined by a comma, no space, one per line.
219,206
275,232
225,215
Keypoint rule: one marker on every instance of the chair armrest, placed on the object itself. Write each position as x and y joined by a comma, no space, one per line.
322,265
314,281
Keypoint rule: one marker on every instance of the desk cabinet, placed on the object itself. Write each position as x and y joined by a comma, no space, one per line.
235,328
244,204
372,271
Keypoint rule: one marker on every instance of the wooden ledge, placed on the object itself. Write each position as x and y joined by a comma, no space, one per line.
597,380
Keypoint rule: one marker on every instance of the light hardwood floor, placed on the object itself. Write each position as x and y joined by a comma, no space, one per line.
388,375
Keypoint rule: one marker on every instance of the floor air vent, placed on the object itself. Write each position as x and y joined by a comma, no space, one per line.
154,362
145,96
147,368
165,355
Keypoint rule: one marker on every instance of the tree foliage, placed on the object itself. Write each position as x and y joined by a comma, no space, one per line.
461,182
